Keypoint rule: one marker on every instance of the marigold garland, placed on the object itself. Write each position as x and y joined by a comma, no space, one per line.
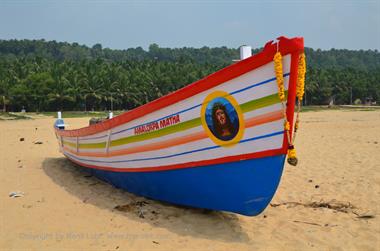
279,75
300,89
301,76
296,125
286,125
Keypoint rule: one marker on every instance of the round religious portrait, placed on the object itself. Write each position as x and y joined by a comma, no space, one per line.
222,118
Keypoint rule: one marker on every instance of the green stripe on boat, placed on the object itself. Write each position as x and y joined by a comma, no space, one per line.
260,103
69,143
159,133
86,146
246,107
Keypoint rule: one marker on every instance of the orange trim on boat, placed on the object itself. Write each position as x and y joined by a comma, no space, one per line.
145,148
265,118
255,121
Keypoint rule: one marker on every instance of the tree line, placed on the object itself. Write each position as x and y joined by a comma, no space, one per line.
48,75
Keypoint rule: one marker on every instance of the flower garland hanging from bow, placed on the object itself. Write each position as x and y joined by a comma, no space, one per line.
300,88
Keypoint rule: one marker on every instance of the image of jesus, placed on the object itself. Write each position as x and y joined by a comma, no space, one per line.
223,127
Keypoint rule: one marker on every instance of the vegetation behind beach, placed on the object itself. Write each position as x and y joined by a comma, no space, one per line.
44,75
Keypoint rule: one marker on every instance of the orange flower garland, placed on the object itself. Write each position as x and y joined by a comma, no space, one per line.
301,76
279,75
300,89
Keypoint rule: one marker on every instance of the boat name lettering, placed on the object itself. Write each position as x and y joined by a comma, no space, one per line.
156,125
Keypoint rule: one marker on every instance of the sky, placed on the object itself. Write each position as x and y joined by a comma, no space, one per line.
194,23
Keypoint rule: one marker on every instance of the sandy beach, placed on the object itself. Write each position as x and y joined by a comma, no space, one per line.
328,202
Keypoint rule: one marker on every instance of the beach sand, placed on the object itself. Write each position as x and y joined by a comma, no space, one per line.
63,208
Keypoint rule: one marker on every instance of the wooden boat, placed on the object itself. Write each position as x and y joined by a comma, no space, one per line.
218,143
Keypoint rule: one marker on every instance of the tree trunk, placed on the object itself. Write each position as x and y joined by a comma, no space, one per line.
4,105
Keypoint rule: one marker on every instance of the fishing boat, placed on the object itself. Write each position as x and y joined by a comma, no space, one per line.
219,143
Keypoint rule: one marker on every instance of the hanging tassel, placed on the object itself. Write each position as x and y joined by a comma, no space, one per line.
292,156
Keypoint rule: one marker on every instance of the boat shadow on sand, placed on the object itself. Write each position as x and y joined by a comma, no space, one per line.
178,219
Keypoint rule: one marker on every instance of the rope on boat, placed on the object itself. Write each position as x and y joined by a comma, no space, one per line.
300,87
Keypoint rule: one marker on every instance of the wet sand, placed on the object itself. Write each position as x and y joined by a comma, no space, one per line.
328,202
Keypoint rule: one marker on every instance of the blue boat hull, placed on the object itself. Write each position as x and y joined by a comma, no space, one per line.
244,187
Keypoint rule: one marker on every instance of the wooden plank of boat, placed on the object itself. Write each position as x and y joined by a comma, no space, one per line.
218,143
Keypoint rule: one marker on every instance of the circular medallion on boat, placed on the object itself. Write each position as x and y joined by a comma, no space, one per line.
222,118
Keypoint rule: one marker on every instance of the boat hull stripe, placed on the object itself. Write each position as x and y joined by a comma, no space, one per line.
246,107
255,121
174,155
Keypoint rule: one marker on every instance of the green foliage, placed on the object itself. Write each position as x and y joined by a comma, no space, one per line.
13,116
48,75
